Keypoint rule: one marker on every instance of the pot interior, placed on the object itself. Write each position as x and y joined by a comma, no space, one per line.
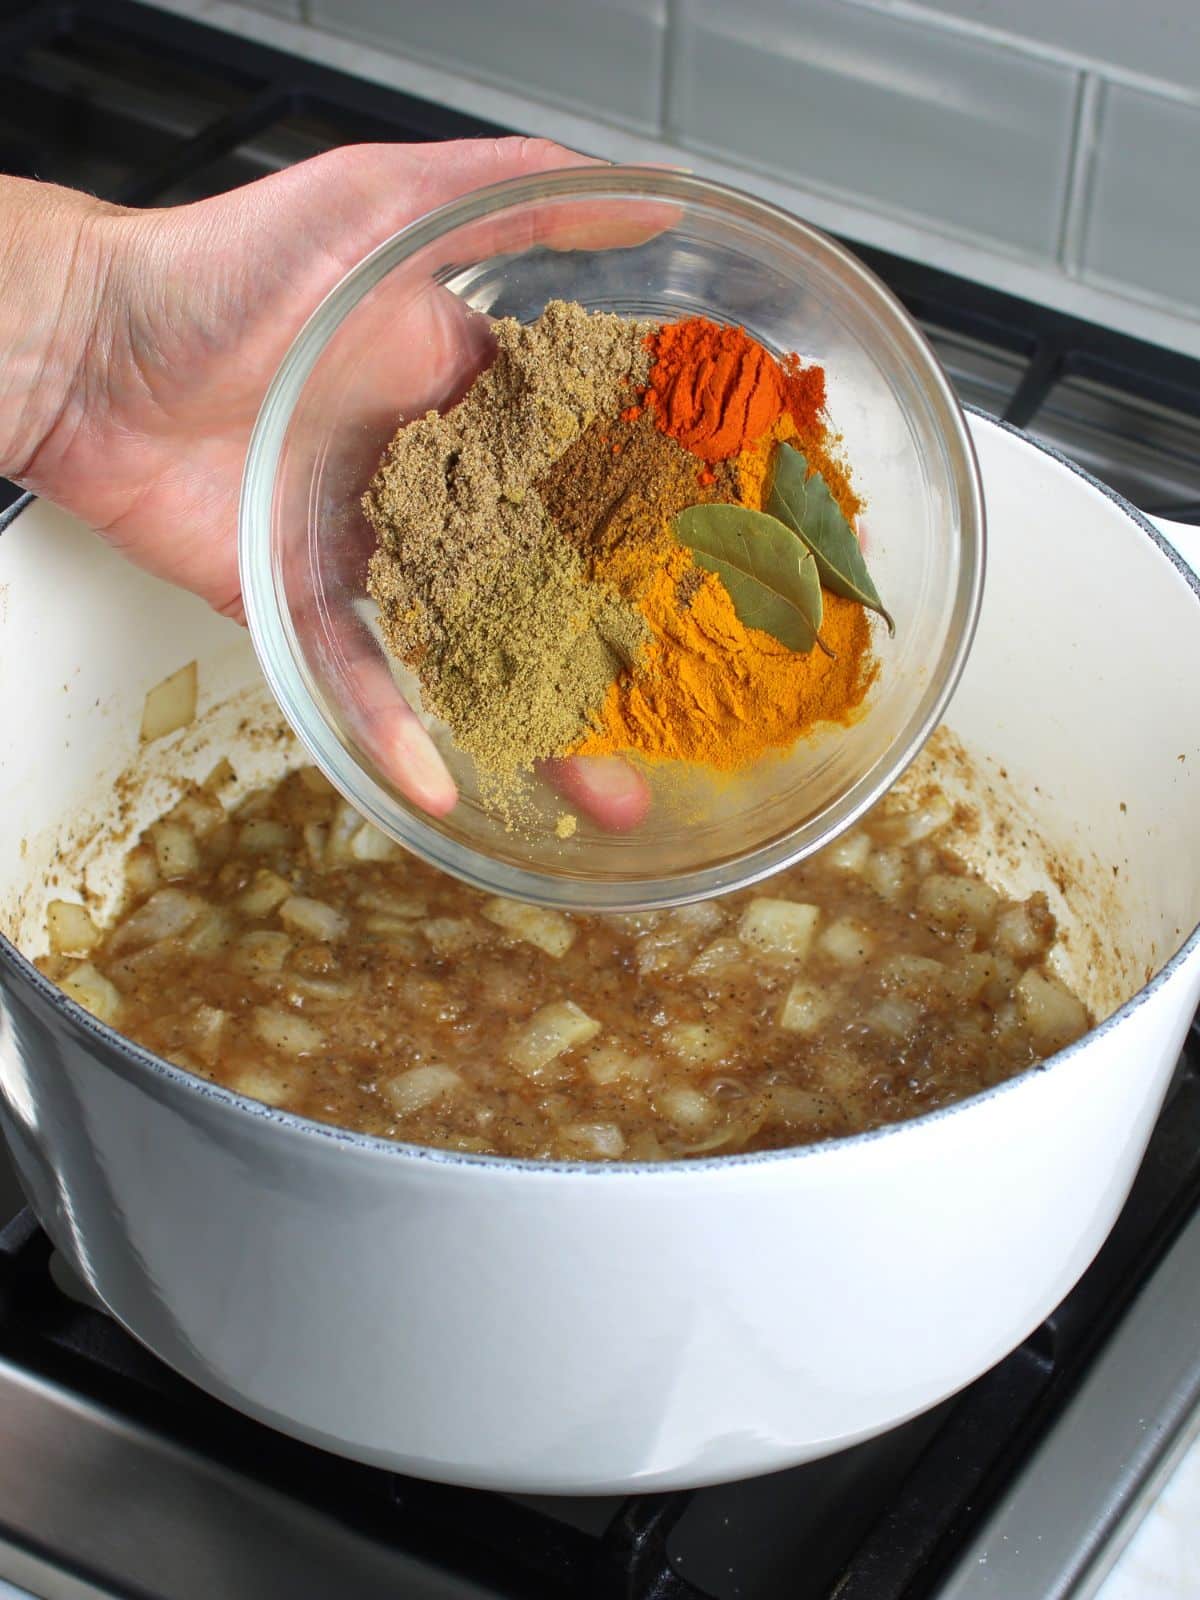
1074,733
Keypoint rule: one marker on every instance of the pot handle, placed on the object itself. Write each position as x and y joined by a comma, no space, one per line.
1183,539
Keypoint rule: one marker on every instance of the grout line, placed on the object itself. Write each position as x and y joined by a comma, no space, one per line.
672,30
1084,142
1030,49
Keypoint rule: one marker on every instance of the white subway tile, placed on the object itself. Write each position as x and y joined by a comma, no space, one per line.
601,55
911,117
1159,40
1142,228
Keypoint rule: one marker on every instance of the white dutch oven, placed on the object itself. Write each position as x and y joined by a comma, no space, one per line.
586,1329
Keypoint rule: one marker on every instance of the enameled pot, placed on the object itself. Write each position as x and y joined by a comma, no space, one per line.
589,1329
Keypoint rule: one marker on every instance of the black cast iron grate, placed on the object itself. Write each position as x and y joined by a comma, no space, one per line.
883,1521
147,107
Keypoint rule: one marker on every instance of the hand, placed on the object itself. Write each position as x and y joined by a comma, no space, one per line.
149,339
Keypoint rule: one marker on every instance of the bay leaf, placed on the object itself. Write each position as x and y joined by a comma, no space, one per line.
769,574
805,505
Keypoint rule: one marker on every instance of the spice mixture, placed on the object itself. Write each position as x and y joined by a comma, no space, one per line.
536,570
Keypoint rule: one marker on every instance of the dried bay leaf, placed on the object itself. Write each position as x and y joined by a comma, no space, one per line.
769,574
804,503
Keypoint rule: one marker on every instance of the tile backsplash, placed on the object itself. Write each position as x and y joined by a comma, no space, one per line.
605,55
957,130
1047,130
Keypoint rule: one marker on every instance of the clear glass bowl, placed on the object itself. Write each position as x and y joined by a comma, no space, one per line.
402,333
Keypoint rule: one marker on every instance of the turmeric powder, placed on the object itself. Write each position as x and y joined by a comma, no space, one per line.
708,689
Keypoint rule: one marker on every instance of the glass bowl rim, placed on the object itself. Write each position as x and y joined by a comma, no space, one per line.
277,647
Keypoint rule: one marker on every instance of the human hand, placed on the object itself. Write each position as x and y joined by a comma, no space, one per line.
151,338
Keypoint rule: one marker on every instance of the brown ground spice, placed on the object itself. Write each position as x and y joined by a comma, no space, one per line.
477,589
625,479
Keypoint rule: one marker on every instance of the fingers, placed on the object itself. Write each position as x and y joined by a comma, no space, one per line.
390,731
608,790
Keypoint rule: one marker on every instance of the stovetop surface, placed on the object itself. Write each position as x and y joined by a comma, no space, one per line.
118,1478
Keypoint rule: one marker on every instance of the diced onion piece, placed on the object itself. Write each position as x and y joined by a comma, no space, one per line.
141,871
199,812
953,904
306,986
316,836
346,823
696,1044
1025,931
686,1107
206,1026
911,824
171,704
911,975
391,904
548,930
211,933
595,1139
164,916
849,853
371,844
282,1030
847,942
387,926
71,929
263,893
450,936
419,1087
88,987
175,849
608,1063
313,918
261,835
887,873
805,1008
1050,1011
261,951
698,919
220,778
780,929
552,1030
260,1083
796,1106
718,956
894,1015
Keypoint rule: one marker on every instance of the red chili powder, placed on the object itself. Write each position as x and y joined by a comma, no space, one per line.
717,391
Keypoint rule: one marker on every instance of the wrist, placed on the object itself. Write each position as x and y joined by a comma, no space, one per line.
58,252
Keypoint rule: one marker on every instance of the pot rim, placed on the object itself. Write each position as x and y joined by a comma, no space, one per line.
136,1059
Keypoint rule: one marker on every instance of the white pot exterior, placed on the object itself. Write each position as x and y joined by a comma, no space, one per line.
593,1329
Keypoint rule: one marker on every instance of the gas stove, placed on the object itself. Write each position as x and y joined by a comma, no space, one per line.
117,1478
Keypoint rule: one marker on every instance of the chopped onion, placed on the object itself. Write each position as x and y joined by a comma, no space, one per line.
697,1044
419,1087
88,987
164,916
263,893
548,930
171,704
71,929
370,844
282,1030
782,929
313,918
175,850
552,1030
